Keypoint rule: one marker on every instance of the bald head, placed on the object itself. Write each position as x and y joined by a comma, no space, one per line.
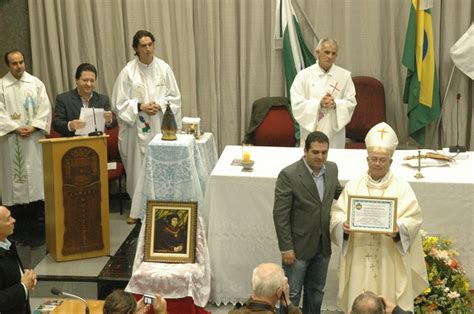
266,280
368,303
7,223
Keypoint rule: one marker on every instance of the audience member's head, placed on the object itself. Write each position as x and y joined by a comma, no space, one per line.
368,303
7,223
268,283
121,302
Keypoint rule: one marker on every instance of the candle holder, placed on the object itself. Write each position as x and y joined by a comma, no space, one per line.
247,165
418,174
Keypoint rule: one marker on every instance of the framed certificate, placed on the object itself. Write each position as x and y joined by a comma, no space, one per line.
372,214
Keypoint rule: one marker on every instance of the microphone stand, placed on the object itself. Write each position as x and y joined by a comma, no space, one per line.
58,292
95,133
458,148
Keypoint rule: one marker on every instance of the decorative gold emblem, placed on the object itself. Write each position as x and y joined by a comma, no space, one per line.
15,116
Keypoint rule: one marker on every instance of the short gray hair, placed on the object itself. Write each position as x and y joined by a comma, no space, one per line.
368,303
266,279
327,40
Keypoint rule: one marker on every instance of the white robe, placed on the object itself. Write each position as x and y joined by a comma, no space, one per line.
23,102
308,88
374,262
138,82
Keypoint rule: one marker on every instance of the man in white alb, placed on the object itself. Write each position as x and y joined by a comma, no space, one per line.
141,92
323,96
25,118
389,264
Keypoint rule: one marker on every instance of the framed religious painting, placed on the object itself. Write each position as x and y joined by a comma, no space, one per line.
170,234
372,214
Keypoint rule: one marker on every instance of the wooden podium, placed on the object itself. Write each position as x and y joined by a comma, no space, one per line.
76,197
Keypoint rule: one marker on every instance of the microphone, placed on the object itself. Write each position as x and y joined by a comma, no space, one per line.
458,148
95,133
58,292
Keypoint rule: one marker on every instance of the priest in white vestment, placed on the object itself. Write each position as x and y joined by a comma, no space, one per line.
141,93
323,96
25,118
389,264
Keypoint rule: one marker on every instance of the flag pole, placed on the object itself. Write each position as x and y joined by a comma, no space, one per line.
441,139
307,20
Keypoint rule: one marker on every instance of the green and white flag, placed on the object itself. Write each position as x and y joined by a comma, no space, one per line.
296,55
462,53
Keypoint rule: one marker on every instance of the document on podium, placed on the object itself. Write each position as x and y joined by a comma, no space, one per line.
87,115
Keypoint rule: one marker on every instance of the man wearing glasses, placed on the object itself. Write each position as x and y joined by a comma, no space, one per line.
389,264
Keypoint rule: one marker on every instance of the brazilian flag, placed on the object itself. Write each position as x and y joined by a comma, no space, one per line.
421,86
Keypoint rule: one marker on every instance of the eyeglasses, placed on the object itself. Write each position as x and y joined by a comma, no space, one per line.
382,160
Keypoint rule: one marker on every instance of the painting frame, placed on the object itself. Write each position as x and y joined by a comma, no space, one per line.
170,232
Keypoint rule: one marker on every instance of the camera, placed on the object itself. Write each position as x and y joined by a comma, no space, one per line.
148,299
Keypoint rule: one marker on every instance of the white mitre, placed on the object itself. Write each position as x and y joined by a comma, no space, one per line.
381,138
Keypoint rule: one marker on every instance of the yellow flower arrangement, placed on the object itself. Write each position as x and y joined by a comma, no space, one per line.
449,286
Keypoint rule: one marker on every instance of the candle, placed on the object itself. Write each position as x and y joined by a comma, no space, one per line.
246,156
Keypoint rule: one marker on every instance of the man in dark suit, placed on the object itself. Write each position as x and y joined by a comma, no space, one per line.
15,281
304,194
68,105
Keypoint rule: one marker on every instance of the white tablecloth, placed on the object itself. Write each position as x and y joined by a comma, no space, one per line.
174,171
238,212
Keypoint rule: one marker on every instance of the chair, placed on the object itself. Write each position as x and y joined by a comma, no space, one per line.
52,132
271,123
113,155
369,111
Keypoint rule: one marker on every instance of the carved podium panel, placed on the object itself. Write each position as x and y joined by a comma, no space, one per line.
76,197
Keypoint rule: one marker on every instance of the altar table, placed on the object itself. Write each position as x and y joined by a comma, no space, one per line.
174,171
239,204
